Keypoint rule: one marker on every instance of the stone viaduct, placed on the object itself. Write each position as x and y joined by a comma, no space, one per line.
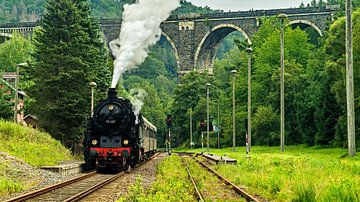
194,38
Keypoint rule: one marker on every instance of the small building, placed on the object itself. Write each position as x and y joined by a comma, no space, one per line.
8,79
31,121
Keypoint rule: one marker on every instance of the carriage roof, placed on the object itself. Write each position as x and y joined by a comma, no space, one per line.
148,124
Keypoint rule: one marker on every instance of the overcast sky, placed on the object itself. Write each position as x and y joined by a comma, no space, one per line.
236,5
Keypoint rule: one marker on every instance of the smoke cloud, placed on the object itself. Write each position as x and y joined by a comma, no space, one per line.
140,29
137,100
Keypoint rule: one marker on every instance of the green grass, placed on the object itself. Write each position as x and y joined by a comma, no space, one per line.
29,145
299,174
171,184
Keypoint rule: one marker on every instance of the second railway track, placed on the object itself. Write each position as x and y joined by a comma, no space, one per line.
201,196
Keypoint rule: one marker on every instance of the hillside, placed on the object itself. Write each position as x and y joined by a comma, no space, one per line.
22,150
24,10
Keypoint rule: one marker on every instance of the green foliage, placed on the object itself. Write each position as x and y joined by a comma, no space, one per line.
188,8
69,54
34,147
9,186
14,51
266,126
191,94
335,72
23,11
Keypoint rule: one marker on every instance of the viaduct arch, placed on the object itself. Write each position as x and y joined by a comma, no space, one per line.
194,37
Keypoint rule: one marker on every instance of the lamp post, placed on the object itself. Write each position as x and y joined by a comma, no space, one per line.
17,79
234,133
207,115
92,86
282,18
350,82
249,51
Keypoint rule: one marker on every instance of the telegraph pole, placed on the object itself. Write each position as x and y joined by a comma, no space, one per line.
249,51
282,18
207,116
234,128
218,123
350,82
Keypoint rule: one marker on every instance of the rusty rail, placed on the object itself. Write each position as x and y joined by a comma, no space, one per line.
39,192
243,193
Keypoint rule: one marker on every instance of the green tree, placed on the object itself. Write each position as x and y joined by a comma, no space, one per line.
335,70
14,51
69,54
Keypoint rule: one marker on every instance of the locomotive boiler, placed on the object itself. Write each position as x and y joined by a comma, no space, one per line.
114,139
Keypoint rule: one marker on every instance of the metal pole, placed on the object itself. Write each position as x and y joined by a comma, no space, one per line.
234,132
16,94
169,142
202,141
218,133
282,90
191,138
350,82
207,116
249,51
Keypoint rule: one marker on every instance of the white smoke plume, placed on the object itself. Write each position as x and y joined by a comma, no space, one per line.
140,29
137,100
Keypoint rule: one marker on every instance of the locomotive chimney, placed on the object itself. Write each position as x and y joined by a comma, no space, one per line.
112,93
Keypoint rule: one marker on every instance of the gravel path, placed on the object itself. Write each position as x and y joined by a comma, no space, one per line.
119,187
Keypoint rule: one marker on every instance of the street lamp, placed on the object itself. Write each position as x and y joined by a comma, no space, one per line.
249,51
92,86
17,89
234,133
282,18
207,115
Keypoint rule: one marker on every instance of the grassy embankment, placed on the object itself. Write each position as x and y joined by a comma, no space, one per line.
32,146
299,174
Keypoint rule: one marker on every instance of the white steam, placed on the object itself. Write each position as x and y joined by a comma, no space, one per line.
137,100
140,28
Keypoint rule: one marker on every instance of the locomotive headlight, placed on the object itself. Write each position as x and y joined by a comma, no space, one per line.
94,142
126,142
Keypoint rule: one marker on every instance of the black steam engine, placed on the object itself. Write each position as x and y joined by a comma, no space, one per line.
113,139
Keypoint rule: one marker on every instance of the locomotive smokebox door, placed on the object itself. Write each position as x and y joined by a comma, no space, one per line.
110,142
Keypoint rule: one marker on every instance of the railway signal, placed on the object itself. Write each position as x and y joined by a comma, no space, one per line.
169,123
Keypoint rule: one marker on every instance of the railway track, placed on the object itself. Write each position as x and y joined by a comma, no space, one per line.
200,196
72,190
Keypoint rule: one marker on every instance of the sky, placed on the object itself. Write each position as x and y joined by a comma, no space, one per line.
244,5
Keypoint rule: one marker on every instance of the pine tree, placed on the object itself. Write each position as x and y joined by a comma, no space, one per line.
69,54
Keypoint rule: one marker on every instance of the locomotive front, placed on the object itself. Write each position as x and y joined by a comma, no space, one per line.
111,134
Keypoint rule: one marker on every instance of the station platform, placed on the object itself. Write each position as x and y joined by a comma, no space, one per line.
215,159
66,168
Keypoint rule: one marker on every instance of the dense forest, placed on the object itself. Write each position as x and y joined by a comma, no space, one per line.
315,96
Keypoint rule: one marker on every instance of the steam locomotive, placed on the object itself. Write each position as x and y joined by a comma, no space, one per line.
114,138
